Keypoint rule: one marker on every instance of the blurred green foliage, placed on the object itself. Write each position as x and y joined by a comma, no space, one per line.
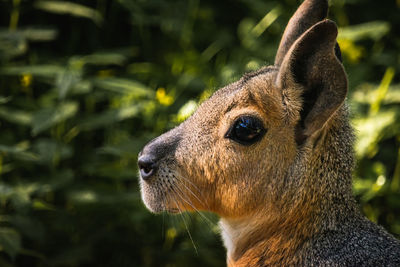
86,83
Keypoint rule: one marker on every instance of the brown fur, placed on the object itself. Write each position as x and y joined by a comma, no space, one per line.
281,197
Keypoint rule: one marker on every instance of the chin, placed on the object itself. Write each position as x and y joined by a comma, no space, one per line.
152,199
158,206
159,196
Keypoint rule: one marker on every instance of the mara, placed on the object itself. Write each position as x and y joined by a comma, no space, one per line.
272,155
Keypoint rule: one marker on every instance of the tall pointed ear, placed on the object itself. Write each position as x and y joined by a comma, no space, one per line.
311,66
309,13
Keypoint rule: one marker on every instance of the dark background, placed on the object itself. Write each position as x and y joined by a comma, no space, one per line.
85,84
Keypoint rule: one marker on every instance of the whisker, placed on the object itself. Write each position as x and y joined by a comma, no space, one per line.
177,191
191,183
209,223
190,191
186,226
207,220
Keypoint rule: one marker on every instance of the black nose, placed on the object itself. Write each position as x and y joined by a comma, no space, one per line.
147,166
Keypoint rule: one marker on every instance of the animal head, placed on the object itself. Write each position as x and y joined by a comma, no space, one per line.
243,147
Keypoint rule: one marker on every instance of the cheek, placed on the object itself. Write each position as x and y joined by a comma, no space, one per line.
251,174
231,176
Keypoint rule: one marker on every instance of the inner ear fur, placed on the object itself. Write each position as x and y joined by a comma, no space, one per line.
311,65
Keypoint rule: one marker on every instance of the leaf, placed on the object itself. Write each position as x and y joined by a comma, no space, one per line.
83,197
31,33
66,80
125,148
123,86
374,30
382,90
109,117
186,110
39,34
22,195
10,241
59,180
105,59
4,100
15,43
12,44
5,191
266,21
46,118
51,152
370,131
47,71
64,7
39,204
366,93
81,87
88,196
16,116
393,95
18,151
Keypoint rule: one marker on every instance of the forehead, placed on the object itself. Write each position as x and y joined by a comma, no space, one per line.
254,89
254,92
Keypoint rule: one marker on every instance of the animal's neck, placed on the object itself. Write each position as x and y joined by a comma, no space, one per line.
281,238
315,189
268,239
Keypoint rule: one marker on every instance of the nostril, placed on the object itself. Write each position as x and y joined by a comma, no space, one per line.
147,167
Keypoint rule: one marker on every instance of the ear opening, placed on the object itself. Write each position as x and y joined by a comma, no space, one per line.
309,98
313,63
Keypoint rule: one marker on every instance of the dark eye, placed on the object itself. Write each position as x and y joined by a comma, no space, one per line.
246,130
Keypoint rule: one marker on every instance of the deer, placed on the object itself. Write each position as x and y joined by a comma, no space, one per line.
272,155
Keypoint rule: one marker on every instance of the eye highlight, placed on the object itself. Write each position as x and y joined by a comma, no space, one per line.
246,130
